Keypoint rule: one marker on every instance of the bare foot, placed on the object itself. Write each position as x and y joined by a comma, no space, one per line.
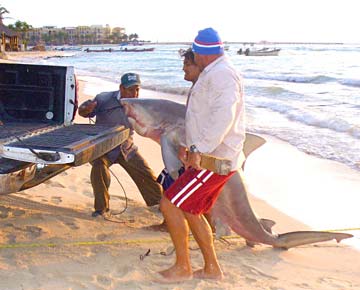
176,274
215,274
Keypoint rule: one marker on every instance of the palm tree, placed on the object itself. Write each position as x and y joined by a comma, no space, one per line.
21,27
133,37
3,11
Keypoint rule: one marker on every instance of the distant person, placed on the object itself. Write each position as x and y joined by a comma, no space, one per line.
214,125
108,111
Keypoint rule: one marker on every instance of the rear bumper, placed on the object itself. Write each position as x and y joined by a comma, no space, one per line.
76,144
14,174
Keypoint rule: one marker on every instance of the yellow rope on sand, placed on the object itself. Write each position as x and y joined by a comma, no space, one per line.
85,243
342,230
123,242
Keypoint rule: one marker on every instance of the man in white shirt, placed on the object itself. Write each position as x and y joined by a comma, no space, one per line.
214,125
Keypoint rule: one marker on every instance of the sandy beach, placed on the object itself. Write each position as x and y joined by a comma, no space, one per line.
50,241
11,56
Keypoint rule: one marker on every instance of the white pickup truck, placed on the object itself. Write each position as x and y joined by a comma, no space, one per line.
38,138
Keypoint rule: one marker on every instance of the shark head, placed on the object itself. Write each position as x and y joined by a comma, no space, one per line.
154,118
140,118
161,120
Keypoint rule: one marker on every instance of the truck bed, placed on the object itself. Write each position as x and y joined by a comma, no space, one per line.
38,138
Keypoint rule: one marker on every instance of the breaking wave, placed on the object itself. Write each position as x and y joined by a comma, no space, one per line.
312,118
319,79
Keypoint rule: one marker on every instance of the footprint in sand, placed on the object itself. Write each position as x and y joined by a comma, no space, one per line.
302,285
103,280
4,212
18,212
33,231
87,193
252,273
101,237
71,224
54,183
122,271
72,188
56,199
11,238
250,280
38,216
338,284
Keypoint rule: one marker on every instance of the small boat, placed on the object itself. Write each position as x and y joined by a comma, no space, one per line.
132,43
99,50
136,49
69,48
120,50
266,51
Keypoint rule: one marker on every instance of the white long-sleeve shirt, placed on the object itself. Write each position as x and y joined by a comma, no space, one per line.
215,115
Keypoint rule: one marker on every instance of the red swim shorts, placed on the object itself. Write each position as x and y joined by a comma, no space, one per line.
196,191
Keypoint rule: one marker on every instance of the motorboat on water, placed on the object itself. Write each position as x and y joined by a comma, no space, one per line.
120,50
137,49
69,48
265,51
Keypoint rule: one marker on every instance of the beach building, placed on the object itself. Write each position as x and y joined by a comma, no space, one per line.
93,34
9,39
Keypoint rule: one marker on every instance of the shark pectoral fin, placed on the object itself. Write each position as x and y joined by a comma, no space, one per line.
267,224
252,142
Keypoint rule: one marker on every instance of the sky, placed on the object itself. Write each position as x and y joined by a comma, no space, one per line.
167,20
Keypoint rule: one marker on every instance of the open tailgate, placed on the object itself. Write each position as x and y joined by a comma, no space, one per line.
75,144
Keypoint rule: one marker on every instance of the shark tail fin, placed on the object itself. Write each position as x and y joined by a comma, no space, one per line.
343,236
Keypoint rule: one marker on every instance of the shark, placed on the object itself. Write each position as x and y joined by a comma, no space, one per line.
163,121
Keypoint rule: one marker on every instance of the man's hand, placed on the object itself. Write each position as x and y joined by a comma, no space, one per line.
193,160
183,154
87,107
189,159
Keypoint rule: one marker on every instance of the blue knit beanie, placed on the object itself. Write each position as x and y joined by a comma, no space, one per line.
208,42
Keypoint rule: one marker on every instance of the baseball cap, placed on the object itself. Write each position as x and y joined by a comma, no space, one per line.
130,79
208,42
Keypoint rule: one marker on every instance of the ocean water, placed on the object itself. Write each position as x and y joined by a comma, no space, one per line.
308,96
